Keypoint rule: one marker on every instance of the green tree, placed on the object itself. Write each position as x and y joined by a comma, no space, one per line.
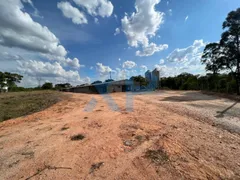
12,78
47,85
230,41
210,57
109,80
97,82
139,79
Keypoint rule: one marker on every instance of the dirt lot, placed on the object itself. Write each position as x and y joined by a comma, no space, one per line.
169,135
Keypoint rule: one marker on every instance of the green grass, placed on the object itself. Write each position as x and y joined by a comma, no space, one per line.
16,104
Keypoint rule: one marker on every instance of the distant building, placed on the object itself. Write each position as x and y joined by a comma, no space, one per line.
106,87
4,86
148,75
153,78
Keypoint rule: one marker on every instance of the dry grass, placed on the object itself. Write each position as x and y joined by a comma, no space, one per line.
16,104
157,156
77,137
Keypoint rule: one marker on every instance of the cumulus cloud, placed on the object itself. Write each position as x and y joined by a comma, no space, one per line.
72,13
142,25
103,8
184,60
161,61
170,12
144,68
121,74
103,70
129,64
96,20
117,31
5,56
47,70
190,53
36,12
186,18
74,63
151,49
19,30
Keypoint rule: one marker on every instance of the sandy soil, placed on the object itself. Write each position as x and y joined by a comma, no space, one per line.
198,134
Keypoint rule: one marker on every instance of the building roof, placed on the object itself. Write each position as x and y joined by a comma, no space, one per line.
117,83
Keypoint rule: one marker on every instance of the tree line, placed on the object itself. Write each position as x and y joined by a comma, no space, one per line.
224,83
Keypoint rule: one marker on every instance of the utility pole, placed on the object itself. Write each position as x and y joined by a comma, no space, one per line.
110,74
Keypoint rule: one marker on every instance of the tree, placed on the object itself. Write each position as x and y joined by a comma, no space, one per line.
62,86
109,80
226,54
97,82
231,42
139,79
47,85
211,56
12,78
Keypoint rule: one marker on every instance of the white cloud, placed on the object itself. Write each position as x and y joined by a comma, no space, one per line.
186,18
129,64
19,30
72,13
103,70
184,60
119,59
161,61
167,3
117,31
116,17
5,56
91,68
142,24
96,20
170,12
103,8
36,12
47,70
151,49
192,52
143,68
74,63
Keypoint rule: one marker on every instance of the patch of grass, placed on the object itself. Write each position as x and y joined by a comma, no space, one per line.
16,104
29,154
157,156
77,137
64,128
95,167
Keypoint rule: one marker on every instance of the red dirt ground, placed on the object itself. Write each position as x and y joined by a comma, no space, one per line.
39,146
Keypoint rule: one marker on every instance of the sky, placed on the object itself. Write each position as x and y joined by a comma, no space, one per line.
79,41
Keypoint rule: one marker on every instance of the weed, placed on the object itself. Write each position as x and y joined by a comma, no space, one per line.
157,156
77,137
64,128
95,166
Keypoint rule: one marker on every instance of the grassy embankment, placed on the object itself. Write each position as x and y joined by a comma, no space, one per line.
16,104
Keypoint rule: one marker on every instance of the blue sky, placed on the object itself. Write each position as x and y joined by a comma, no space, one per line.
75,40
